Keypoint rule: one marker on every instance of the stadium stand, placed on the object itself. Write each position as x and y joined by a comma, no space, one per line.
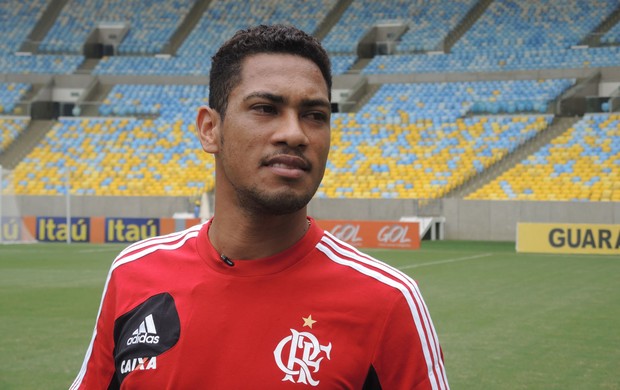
495,60
42,64
165,101
431,23
115,156
151,24
428,23
10,129
543,25
194,55
517,35
10,95
420,160
240,14
612,36
17,19
430,112
342,63
125,154
583,164
414,141
402,140
453,100
10,126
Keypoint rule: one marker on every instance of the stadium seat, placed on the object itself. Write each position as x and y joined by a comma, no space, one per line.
612,36
10,95
18,19
412,141
194,56
408,141
518,24
151,24
428,23
580,165
151,150
10,129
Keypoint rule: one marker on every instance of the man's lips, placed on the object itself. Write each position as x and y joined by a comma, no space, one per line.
287,161
287,166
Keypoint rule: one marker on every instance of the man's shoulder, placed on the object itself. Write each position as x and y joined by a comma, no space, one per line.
362,267
156,247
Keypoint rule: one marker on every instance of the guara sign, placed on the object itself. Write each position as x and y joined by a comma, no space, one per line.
375,234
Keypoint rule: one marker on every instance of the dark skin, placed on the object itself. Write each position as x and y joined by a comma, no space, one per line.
270,154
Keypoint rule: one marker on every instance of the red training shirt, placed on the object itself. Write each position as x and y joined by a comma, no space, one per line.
320,314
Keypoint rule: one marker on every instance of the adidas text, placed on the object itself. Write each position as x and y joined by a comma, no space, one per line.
145,363
146,332
143,338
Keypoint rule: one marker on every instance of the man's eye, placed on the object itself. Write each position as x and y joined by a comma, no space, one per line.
318,116
265,109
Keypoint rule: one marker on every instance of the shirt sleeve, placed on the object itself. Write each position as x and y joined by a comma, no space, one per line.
408,354
97,371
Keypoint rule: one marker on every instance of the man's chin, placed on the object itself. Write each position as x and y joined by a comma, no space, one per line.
275,203
286,204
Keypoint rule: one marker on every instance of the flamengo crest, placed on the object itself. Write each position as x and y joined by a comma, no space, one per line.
302,356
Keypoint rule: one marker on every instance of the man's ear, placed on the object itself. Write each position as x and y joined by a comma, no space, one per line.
208,123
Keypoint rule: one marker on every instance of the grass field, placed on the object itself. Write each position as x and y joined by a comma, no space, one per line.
505,320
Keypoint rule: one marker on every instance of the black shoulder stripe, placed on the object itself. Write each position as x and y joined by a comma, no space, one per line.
372,380
142,334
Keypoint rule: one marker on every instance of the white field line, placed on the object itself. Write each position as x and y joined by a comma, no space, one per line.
453,260
98,250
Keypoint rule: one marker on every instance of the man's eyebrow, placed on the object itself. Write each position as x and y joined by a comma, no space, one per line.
265,95
281,99
316,103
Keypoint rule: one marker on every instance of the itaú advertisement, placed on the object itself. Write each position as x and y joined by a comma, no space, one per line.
375,234
568,238
11,229
56,229
96,230
125,230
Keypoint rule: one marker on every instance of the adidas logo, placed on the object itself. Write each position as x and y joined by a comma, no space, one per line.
146,332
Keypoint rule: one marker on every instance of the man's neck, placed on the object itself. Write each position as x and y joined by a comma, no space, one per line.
241,237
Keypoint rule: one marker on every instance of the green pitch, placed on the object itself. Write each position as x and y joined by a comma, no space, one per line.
505,320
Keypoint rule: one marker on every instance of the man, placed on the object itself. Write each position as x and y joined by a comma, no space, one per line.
260,297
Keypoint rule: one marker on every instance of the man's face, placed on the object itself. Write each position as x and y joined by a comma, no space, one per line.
272,146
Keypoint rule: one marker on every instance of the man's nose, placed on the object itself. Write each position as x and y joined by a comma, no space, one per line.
291,130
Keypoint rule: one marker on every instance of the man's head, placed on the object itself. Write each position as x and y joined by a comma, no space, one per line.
271,150
227,62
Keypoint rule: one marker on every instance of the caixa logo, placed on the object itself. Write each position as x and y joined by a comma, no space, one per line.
393,234
348,233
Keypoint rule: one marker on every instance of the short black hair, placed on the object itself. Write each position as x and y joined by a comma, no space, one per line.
226,63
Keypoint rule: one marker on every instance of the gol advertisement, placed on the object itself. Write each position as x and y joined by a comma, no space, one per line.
375,234
568,238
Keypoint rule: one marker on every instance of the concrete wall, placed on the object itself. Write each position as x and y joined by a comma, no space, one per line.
465,219
497,220
472,219
607,74
103,206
